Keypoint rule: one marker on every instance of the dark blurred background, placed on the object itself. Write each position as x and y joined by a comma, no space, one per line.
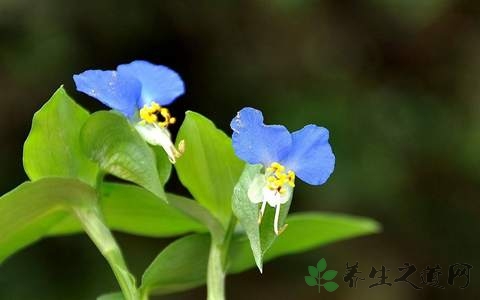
397,82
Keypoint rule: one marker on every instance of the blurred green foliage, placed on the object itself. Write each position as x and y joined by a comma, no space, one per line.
396,82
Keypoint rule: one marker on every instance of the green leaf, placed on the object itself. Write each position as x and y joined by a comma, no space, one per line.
209,168
134,210
311,281
164,166
28,211
52,148
305,231
112,296
321,265
110,140
330,286
182,265
329,275
313,271
261,236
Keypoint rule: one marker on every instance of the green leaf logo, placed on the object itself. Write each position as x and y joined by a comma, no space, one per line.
316,277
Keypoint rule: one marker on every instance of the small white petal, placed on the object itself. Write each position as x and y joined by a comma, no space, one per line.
255,190
158,136
275,198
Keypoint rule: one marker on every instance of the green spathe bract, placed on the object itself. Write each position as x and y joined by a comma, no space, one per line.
261,235
110,140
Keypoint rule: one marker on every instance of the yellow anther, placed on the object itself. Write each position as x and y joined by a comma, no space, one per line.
277,178
275,167
282,229
282,177
291,178
147,116
150,115
272,186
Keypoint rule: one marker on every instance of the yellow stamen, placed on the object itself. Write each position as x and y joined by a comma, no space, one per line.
277,178
291,178
150,115
275,167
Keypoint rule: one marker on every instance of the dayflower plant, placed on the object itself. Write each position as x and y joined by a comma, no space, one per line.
139,90
305,154
68,150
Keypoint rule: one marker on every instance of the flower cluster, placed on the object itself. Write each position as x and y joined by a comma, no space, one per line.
141,90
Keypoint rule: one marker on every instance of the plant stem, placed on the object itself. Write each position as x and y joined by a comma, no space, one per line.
92,222
227,240
144,294
215,274
218,263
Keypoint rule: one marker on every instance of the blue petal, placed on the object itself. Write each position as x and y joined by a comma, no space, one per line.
255,142
311,157
159,83
112,89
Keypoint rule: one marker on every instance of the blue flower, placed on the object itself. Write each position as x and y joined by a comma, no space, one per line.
139,90
305,154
